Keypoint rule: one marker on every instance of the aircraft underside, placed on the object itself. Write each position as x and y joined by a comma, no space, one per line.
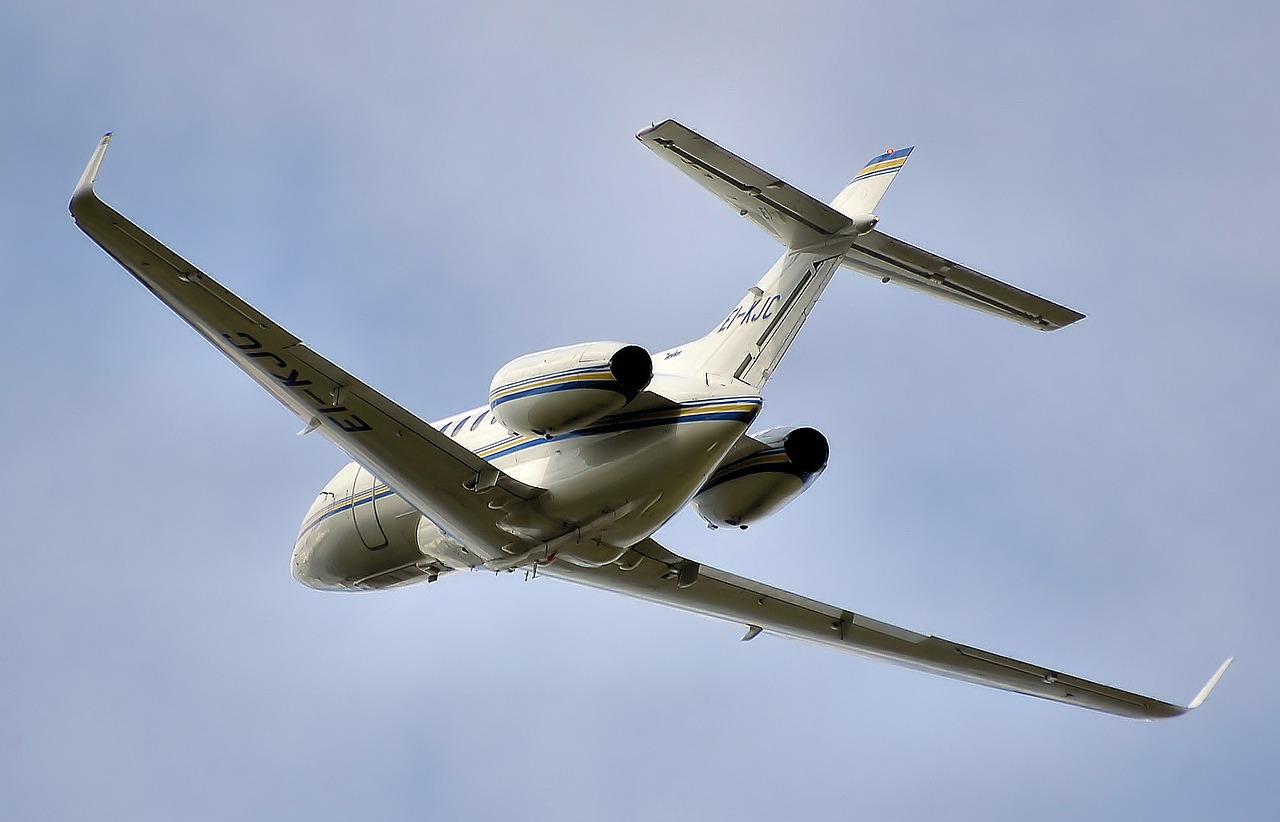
583,452
605,492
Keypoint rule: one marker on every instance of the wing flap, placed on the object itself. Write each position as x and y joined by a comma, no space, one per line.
654,575
420,463
879,255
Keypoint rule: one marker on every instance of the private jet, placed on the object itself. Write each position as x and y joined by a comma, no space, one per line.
583,452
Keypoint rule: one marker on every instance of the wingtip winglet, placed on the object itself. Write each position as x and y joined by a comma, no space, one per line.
84,188
1208,686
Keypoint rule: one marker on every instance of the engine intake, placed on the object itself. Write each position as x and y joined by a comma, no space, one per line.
563,389
778,464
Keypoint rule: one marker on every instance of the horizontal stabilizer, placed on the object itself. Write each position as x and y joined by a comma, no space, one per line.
793,217
800,221
879,255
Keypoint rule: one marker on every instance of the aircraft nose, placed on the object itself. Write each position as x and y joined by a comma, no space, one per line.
307,568
300,563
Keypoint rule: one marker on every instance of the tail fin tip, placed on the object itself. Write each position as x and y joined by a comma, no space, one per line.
863,194
887,163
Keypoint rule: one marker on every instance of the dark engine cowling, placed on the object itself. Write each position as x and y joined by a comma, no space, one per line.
564,389
747,488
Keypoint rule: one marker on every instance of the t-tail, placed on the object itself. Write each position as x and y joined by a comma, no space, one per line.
750,341
860,198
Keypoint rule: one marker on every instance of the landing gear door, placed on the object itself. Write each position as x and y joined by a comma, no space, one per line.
364,509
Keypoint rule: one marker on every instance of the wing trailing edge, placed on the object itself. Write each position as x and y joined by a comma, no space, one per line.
650,571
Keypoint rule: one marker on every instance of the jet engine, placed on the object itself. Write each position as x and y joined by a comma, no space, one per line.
761,474
564,389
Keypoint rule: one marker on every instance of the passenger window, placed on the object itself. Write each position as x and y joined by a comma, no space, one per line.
461,423
476,424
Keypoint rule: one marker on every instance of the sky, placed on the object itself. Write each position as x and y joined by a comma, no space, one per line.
424,191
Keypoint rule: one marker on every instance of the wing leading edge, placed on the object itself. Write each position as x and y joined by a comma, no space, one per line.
651,572
456,488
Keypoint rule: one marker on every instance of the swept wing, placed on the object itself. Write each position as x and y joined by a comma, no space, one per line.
431,471
649,571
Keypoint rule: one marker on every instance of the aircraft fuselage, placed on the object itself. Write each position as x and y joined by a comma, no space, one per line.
609,486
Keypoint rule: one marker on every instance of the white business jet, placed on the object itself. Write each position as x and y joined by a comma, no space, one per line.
583,452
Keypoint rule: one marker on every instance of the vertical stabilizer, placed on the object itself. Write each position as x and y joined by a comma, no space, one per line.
861,196
751,340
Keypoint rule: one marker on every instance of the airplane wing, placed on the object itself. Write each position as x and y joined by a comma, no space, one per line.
419,463
649,571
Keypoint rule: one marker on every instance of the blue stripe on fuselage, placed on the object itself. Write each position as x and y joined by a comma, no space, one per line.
345,504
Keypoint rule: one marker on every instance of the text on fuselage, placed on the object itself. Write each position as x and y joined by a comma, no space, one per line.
760,309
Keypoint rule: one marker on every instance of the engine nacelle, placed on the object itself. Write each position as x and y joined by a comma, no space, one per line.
746,489
564,389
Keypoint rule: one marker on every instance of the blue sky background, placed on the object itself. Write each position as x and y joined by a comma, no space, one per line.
424,191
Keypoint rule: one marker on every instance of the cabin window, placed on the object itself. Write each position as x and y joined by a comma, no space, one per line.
461,423
482,415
